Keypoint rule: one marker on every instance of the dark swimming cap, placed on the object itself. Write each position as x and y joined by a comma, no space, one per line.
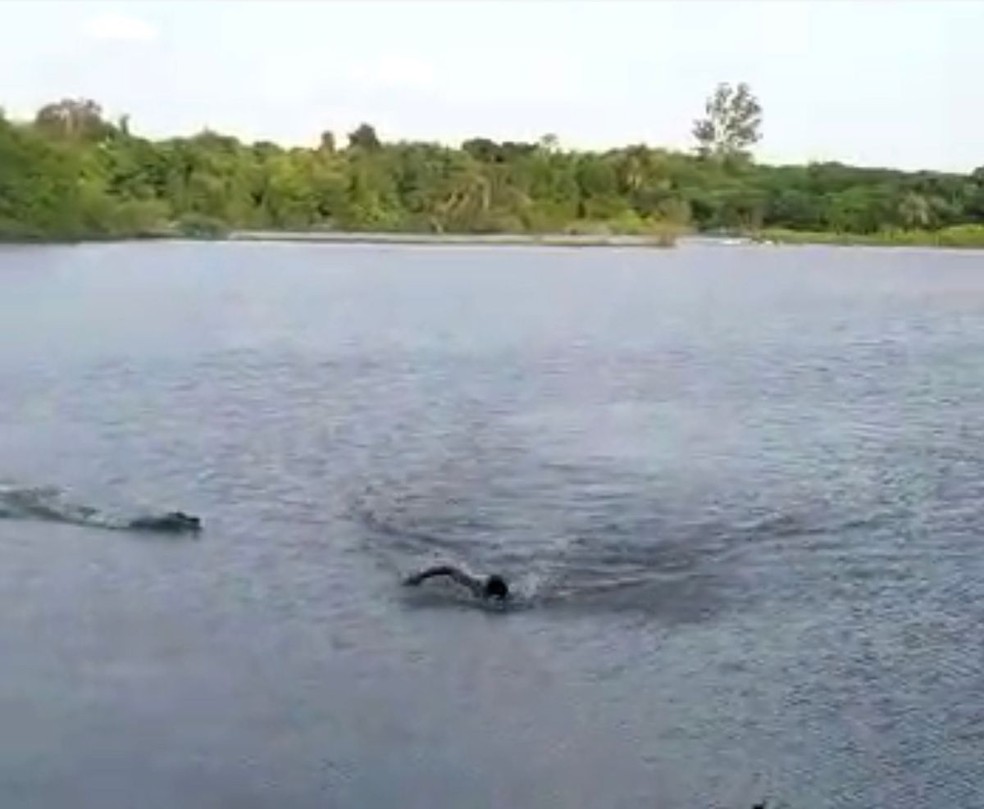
496,587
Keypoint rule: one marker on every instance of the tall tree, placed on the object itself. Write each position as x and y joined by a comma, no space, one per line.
73,118
364,137
731,124
327,143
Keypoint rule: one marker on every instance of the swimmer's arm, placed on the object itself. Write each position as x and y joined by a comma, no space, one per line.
451,572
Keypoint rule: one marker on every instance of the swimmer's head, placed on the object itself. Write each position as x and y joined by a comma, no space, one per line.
496,587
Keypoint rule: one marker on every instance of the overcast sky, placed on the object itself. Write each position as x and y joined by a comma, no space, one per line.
883,82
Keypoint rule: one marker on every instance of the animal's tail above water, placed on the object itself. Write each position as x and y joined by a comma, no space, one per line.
49,504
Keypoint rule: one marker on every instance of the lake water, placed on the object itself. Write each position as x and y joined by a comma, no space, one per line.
739,490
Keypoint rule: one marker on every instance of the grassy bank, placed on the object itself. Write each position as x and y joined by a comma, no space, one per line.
966,236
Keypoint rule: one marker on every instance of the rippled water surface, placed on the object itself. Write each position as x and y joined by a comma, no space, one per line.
739,491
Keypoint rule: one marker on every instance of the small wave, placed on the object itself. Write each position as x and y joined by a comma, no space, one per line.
788,525
49,504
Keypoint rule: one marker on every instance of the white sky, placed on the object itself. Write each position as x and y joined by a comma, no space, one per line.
881,82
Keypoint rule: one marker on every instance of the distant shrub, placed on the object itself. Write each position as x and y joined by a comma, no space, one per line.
200,226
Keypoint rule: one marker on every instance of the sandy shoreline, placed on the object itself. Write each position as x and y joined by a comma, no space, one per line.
559,239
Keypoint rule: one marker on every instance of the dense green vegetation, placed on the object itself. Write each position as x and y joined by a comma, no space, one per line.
70,174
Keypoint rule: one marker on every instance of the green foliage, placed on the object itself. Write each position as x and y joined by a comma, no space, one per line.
41,192
73,174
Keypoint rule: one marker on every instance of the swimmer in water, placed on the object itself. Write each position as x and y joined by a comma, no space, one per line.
489,587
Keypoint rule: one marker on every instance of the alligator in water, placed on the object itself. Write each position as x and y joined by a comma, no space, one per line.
46,503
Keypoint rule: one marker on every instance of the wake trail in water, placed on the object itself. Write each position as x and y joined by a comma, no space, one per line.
621,550
50,504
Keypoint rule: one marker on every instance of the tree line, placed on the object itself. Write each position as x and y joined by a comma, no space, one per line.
70,173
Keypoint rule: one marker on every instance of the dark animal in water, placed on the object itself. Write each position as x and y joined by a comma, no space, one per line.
173,522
